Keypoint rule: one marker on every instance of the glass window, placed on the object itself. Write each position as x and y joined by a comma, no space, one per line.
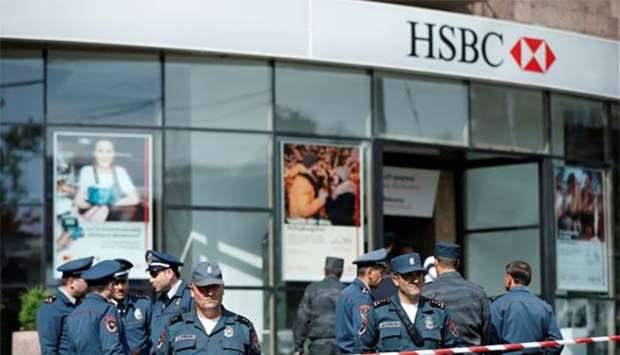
320,100
237,241
431,109
287,302
584,318
217,169
21,86
104,88
218,93
489,253
21,162
502,196
578,127
503,116
254,305
21,242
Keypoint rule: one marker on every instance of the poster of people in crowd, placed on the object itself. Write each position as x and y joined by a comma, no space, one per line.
102,197
322,199
581,229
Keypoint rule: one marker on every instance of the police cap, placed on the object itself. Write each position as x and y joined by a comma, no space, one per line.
75,267
334,264
206,273
447,250
159,260
406,263
375,257
102,271
126,265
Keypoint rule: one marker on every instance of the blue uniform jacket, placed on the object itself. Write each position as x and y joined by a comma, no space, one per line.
51,317
353,301
164,309
519,316
384,330
233,334
95,328
135,312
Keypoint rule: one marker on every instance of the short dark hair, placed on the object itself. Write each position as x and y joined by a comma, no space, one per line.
447,262
520,271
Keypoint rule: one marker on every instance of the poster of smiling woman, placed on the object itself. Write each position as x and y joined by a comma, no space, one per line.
102,197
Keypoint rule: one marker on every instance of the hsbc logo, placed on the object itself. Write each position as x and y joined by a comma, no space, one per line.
465,45
533,54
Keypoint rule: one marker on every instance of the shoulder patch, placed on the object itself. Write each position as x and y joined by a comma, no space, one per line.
49,299
175,319
437,303
381,302
243,320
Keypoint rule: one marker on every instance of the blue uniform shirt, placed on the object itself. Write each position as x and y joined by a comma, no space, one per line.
135,313
519,316
164,309
233,334
94,328
384,330
51,317
353,301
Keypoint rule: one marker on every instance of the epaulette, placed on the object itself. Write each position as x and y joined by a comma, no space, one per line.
49,299
381,302
437,303
175,319
243,320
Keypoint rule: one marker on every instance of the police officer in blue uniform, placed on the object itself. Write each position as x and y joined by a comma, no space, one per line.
519,316
52,314
356,299
209,328
134,310
173,295
407,320
94,327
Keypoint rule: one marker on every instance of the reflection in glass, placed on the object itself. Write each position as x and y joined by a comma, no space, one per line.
487,255
21,86
511,117
287,302
322,100
502,196
237,241
217,169
584,318
21,164
21,245
422,108
103,88
578,127
218,93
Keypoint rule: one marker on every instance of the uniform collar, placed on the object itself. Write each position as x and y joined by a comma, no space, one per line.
520,288
449,274
227,318
95,296
332,277
66,297
174,289
359,283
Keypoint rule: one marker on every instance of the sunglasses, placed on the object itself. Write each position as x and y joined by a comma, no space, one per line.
154,273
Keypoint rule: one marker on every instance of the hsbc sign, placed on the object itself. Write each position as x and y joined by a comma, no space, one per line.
466,45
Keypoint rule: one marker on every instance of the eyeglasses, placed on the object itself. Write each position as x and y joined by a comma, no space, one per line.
154,273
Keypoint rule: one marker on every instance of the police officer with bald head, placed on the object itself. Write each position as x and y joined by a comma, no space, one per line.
52,314
316,313
94,327
356,299
173,296
407,320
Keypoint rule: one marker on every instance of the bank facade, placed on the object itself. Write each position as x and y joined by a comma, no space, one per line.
505,134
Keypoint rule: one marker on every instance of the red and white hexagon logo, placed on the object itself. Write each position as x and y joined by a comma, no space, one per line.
533,54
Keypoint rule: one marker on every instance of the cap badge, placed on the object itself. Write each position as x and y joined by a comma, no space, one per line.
209,270
429,323
411,261
138,314
229,331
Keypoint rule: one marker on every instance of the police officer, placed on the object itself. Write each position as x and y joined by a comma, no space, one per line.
209,328
519,316
173,295
52,314
407,320
466,302
355,300
134,311
315,315
94,327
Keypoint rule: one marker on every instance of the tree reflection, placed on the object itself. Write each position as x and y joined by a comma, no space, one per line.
19,146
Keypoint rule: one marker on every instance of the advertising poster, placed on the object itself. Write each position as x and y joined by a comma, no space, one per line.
322,193
581,230
102,197
409,192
